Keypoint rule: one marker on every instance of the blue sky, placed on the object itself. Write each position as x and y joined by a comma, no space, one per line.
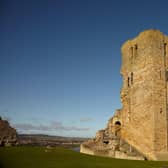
60,60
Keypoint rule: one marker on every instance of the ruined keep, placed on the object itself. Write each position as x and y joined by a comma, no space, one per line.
139,130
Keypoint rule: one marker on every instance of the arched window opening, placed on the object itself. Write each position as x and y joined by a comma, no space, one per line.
117,128
106,142
117,123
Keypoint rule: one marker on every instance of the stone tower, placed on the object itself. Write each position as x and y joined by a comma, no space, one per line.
144,93
140,127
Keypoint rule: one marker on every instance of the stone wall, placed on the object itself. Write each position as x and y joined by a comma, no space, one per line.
84,149
144,96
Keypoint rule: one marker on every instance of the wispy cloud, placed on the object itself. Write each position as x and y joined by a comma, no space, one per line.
86,119
57,126
27,127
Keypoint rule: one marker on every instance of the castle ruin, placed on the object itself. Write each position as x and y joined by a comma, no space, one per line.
8,135
139,130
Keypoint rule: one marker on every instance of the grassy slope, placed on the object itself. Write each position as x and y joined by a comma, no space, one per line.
38,157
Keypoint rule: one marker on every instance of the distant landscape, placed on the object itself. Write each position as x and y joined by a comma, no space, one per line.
47,140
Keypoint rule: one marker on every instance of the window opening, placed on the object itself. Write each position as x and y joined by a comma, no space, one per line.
128,81
131,77
132,52
165,46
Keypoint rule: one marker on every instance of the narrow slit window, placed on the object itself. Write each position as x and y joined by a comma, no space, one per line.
136,48
160,110
165,46
166,75
132,75
132,53
128,81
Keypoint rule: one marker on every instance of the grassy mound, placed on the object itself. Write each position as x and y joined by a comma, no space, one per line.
41,157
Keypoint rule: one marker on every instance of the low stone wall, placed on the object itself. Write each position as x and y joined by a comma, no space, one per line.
121,155
108,153
86,150
162,156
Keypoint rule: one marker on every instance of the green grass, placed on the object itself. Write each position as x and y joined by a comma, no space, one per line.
38,157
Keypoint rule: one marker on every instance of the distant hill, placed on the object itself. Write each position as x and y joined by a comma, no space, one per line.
47,140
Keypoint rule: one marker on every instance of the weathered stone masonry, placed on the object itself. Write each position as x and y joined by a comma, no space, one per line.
8,135
139,130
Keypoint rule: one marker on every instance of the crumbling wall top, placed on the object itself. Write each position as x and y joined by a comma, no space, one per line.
147,35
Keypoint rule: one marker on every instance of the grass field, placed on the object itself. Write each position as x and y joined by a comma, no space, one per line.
40,157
